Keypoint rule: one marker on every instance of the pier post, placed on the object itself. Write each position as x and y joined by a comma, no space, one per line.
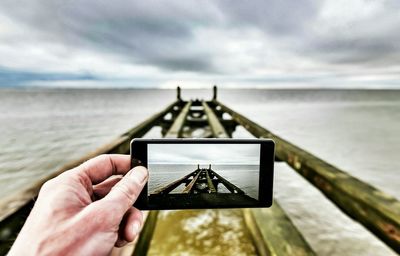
178,93
215,92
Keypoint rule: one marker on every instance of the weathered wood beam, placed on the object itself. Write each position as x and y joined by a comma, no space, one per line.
274,234
210,184
176,128
376,210
216,127
198,122
189,187
175,184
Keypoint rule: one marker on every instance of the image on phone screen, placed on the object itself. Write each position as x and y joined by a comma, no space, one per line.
203,173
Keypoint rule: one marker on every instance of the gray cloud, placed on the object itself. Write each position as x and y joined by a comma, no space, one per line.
360,41
280,18
368,52
368,39
222,39
137,32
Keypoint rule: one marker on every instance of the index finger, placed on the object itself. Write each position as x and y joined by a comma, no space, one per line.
101,167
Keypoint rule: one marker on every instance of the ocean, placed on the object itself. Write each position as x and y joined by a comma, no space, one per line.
355,130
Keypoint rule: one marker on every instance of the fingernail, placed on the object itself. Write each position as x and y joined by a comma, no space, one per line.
140,173
136,228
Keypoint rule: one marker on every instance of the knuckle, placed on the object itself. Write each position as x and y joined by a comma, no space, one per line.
106,160
103,157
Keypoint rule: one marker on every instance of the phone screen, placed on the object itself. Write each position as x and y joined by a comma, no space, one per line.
202,175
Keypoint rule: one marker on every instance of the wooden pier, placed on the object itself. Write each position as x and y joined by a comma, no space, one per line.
201,180
272,231
201,190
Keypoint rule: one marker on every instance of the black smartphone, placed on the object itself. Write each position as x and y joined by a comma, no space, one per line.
205,173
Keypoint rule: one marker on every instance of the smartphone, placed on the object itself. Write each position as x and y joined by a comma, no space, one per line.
205,173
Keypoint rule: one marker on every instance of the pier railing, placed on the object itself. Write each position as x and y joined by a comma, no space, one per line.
272,231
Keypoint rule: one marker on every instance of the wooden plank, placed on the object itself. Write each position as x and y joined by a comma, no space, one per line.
216,127
173,185
189,187
274,234
210,183
376,210
176,128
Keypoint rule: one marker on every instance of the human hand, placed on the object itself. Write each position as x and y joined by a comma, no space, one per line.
85,211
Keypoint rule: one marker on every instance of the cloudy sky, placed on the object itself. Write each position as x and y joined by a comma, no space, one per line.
272,44
204,154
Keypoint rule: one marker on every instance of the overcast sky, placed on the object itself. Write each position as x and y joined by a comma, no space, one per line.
204,154
279,44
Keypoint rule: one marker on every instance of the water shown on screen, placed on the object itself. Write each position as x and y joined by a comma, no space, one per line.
215,169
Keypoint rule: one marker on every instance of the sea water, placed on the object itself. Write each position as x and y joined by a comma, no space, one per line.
357,131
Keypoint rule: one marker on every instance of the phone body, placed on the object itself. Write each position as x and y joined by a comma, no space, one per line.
205,173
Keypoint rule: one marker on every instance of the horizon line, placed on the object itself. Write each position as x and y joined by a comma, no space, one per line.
372,88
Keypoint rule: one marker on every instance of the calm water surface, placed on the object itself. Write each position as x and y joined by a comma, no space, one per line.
42,129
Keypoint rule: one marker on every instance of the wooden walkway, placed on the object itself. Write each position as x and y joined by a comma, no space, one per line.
201,180
201,190
272,231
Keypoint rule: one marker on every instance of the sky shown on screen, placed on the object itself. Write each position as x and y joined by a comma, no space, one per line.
204,154
259,43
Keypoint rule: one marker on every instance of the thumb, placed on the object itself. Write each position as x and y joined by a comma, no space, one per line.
126,191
